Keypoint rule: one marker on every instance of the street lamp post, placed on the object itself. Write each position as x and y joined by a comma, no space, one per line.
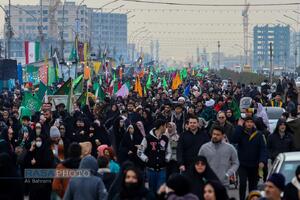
109,32
297,36
130,17
8,32
77,19
147,32
295,41
9,28
62,42
101,12
219,46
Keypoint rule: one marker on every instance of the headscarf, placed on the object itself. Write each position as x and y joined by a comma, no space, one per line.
173,134
140,126
133,190
261,112
220,190
86,148
101,148
208,173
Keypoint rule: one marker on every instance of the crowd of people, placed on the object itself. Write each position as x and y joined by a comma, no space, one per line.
168,144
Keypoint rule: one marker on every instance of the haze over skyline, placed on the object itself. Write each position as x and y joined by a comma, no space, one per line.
181,29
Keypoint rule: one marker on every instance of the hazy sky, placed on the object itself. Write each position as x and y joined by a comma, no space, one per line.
180,29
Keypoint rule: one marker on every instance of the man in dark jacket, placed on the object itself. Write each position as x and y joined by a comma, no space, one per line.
222,122
280,141
155,151
251,152
190,143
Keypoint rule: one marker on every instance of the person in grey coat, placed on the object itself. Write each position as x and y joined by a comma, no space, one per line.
221,156
87,188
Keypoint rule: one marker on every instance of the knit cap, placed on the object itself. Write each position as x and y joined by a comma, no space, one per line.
278,180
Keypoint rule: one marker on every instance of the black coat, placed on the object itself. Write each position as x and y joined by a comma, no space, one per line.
197,181
251,148
10,188
128,144
277,145
100,134
44,160
116,134
143,194
291,192
107,178
189,145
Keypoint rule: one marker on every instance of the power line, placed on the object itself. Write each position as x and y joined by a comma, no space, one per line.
212,5
201,10
195,24
189,32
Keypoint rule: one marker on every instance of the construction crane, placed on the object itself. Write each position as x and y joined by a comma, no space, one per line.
246,27
53,5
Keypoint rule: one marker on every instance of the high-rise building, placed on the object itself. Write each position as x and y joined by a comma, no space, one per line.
109,32
105,30
279,36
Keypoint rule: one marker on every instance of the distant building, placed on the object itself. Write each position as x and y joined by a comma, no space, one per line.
109,31
105,30
215,58
279,36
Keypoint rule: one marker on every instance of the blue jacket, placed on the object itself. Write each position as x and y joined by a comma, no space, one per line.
251,147
87,188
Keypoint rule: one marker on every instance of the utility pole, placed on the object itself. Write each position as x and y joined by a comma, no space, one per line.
62,42
152,50
296,54
157,51
0,49
271,63
219,46
40,29
245,27
133,48
9,30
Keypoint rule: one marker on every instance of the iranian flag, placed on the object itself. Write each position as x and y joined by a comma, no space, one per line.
32,51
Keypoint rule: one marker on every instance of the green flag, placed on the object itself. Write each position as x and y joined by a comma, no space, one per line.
235,109
114,76
183,73
205,69
128,85
73,54
77,80
82,98
51,75
31,102
96,86
145,91
149,83
101,94
31,69
165,84
70,99
25,112
78,84
42,90
65,88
